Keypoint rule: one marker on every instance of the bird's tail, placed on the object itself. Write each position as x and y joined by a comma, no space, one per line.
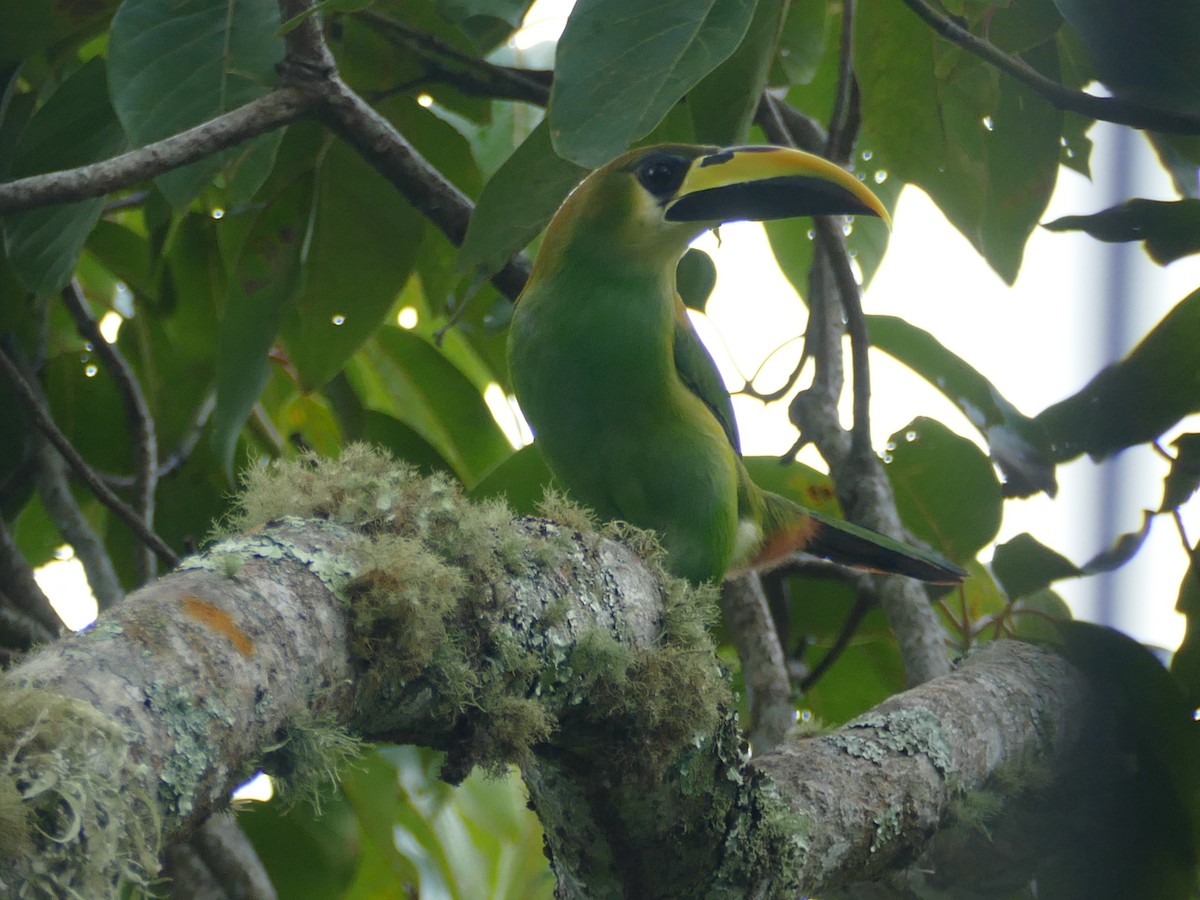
791,527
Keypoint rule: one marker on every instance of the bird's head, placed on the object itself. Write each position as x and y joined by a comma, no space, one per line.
650,203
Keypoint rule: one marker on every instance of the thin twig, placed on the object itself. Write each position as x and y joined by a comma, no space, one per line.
836,145
78,465
862,605
280,107
173,462
1108,109
375,138
469,74
138,417
24,594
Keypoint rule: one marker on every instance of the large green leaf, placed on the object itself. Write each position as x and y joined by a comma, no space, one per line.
403,375
622,65
1025,566
1183,479
352,274
1136,399
985,148
30,26
1016,443
1170,228
1185,664
75,126
175,65
267,282
1150,803
946,490
723,104
1145,51
517,202
801,42
521,480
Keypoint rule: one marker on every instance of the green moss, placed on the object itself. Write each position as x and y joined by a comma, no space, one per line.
309,760
66,780
432,641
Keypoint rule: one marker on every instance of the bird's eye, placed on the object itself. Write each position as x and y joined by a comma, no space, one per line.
661,175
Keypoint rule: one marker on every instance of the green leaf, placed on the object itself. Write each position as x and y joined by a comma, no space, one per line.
695,278
403,442
622,65
1124,548
1035,617
307,856
1184,477
801,42
268,280
517,202
1185,664
30,26
867,673
1154,791
1147,52
74,127
1170,228
946,490
416,862
511,11
1180,156
1016,443
172,66
1025,566
352,274
521,480
796,481
723,104
985,148
1021,25
1136,399
403,375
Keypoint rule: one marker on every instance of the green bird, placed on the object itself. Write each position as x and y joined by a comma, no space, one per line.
625,402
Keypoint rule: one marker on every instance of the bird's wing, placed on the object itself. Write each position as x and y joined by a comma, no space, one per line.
699,373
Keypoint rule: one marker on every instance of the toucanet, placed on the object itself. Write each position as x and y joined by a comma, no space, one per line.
625,402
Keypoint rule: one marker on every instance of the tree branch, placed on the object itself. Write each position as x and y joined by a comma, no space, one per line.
1108,109
469,74
21,590
302,627
764,665
29,399
138,419
280,107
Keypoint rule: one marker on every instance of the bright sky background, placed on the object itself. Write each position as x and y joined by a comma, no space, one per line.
1038,342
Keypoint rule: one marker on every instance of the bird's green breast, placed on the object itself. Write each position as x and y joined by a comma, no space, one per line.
592,365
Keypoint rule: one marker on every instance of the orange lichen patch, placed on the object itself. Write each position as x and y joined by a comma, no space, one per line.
218,620
782,543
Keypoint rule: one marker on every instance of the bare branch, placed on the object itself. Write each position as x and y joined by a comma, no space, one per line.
469,74
1108,109
85,473
280,107
218,861
764,666
138,417
21,589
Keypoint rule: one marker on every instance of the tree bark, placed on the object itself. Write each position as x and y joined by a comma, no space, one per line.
396,610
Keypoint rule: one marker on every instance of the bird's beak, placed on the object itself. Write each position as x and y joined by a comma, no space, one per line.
761,183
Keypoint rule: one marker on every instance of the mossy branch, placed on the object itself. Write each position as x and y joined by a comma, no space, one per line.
353,601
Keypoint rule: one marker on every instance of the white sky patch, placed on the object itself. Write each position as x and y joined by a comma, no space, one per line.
66,586
508,416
